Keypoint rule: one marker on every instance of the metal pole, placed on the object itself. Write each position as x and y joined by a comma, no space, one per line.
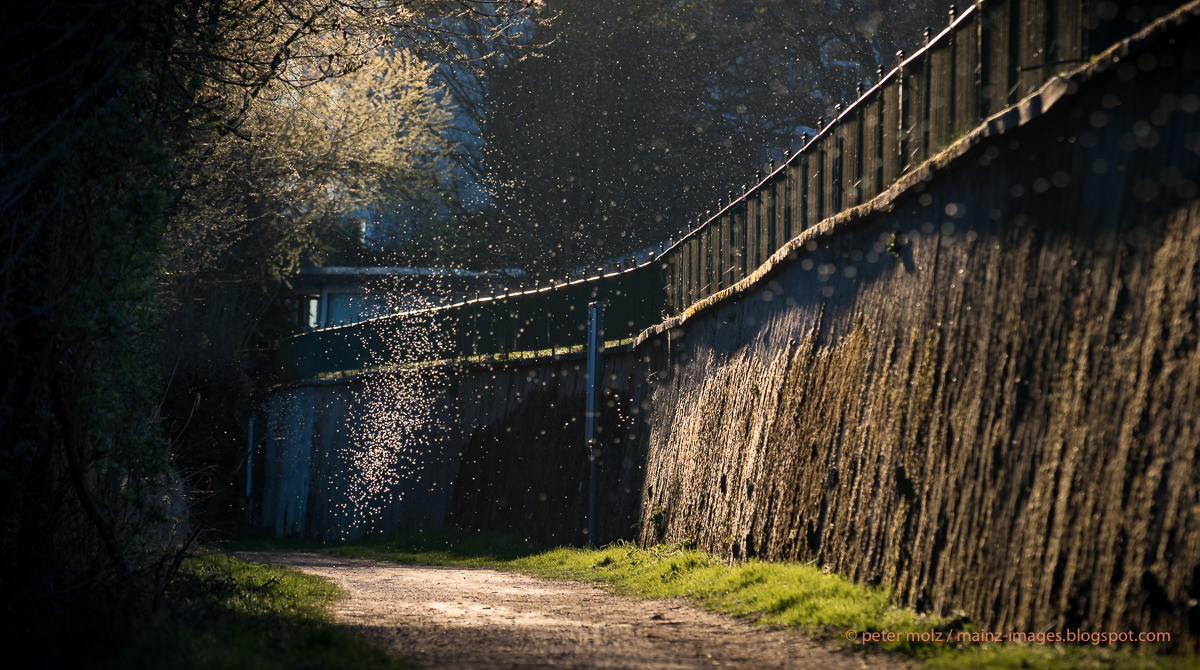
595,347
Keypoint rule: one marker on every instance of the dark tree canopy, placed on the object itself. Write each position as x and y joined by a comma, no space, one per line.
113,113
613,126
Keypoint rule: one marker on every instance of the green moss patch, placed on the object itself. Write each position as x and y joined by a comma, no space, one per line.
225,613
791,595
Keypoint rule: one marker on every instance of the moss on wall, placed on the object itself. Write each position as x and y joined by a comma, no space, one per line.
1002,417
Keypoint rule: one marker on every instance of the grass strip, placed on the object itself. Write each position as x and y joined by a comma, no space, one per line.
498,357
794,595
225,613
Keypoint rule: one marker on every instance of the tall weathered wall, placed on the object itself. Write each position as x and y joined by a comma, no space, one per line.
486,446
981,390
527,470
365,455
1003,417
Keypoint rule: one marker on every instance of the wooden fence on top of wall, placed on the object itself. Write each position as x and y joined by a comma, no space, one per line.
990,56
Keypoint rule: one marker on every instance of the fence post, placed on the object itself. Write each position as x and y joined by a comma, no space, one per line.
595,346
804,218
788,177
901,108
951,99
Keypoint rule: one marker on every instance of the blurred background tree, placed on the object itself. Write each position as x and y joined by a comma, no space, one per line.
159,156
614,126
324,167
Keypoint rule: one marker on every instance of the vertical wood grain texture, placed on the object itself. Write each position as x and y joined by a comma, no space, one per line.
941,97
828,177
893,149
872,160
816,188
916,110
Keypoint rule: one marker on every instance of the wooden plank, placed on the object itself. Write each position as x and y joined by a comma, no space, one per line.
878,160
872,149
696,281
689,274
724,265
1031,57
851,170
800,184
966,77
784,204
672,271
681,259
713,257
719,247
916,112
767,215
1069,39
781,195
681,263
685,277
671,274
694,269
1000,22
753,231
889,148
816,203
941,96
767,198
738,242
727,250
744,234
763,239
829,180
762,219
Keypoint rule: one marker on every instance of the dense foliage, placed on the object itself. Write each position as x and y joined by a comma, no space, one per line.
230,613
613,126
151,145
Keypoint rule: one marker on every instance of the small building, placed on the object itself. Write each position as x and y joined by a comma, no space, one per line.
330,296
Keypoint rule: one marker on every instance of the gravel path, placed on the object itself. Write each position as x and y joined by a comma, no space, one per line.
469,618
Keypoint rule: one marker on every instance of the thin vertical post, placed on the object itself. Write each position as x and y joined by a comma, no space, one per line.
475,326
901,104
595,348
859,184
789,174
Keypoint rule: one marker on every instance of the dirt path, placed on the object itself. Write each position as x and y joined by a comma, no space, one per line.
469,618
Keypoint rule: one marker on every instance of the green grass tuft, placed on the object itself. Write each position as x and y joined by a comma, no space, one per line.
787,594
780,594
224,613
